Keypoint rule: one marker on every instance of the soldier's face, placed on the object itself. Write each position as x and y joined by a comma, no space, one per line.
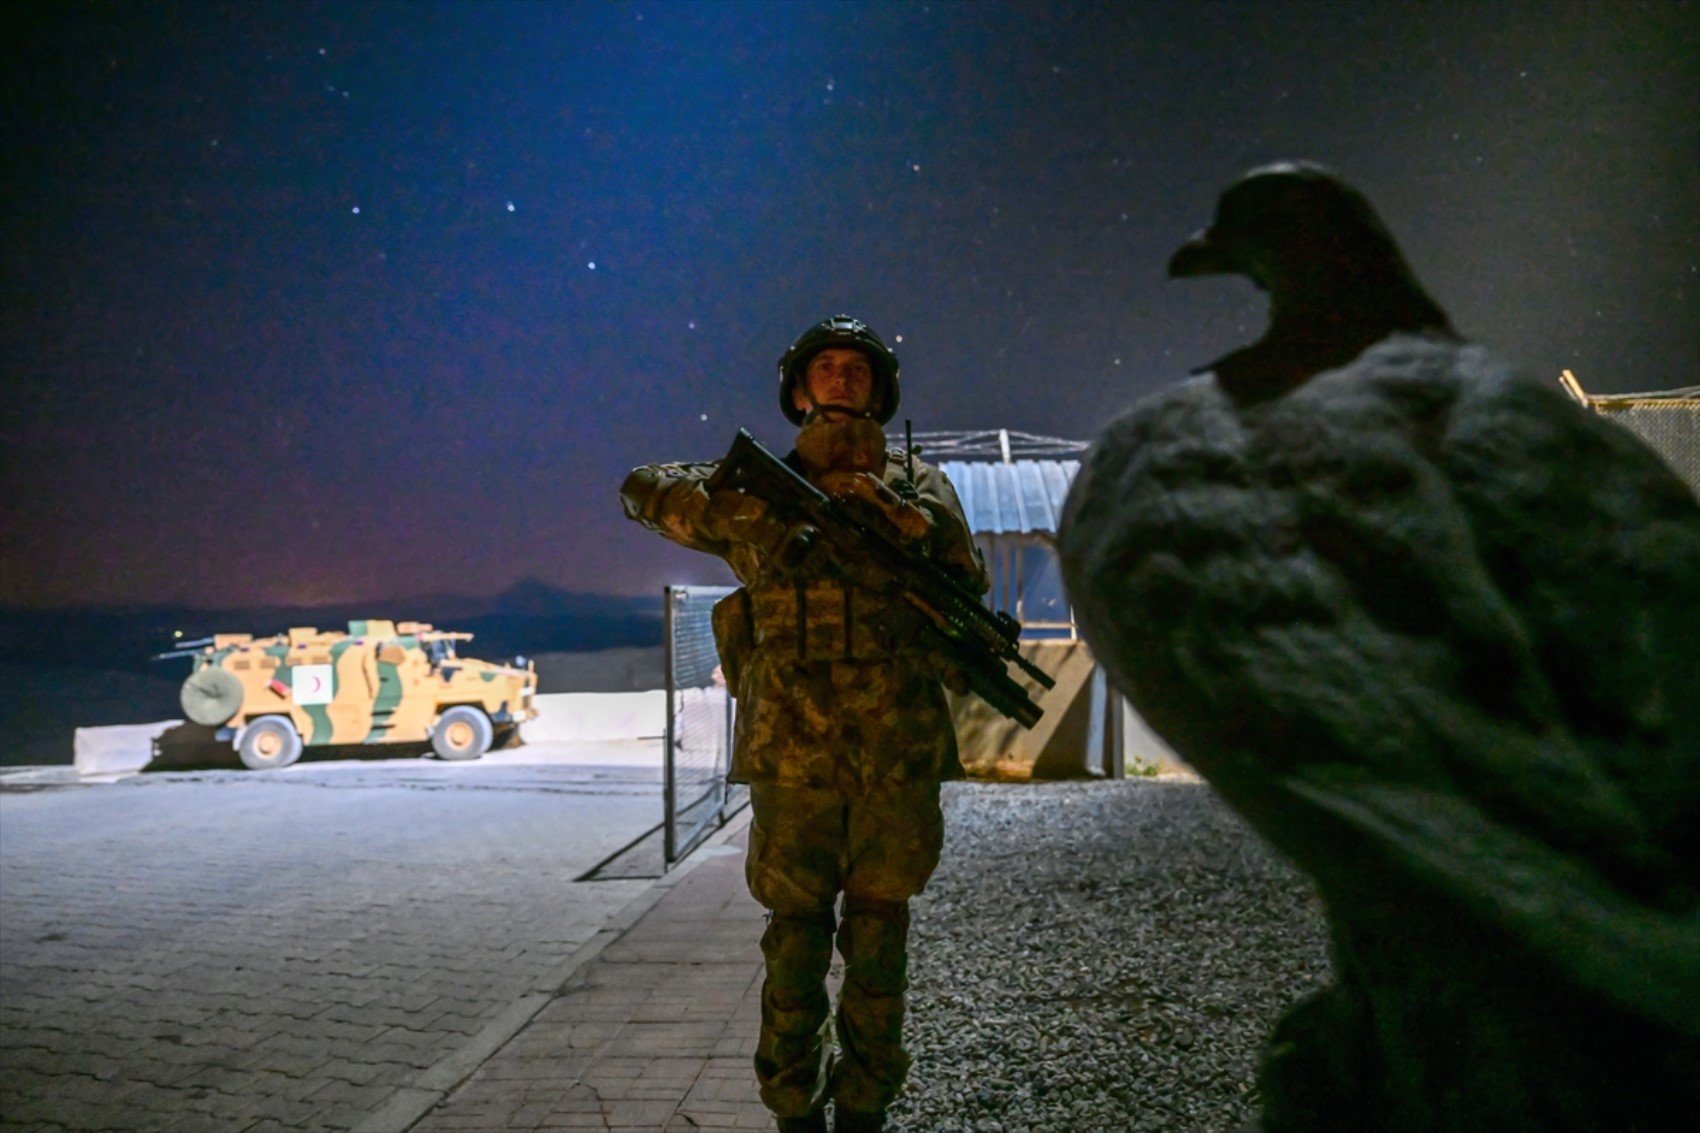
838,376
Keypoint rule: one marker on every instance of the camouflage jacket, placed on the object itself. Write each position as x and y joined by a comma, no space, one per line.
834,682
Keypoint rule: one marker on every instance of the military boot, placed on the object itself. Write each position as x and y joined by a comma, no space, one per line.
859,1121
809,1123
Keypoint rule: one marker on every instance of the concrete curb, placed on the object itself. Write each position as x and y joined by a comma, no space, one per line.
409,1103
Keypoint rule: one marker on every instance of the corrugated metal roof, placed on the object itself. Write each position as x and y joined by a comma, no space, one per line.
1024,497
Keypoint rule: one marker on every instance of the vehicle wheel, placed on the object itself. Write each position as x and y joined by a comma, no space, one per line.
269,743
462,732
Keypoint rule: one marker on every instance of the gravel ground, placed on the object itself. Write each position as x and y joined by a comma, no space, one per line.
1095,957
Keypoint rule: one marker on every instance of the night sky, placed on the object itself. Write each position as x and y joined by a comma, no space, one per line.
318,302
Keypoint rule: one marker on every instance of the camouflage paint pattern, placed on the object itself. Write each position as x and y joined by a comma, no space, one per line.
842,725
843,734
877,847
390,690
671,499
837,690
385,688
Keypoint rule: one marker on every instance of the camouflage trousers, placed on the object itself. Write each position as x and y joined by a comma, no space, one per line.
809,846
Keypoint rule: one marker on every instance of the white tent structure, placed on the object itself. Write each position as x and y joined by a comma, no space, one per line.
1012,486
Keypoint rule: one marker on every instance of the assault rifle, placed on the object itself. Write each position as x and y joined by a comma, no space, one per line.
977,642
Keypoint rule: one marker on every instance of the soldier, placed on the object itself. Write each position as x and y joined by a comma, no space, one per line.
843,733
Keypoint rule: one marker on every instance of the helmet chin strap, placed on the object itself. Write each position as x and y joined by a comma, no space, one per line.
834,413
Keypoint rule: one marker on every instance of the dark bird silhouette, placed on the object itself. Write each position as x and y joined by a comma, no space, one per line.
1434,630
1337,282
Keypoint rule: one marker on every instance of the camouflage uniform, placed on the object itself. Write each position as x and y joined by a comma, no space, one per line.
844,736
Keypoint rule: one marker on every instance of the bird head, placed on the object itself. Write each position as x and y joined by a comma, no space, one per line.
1315,244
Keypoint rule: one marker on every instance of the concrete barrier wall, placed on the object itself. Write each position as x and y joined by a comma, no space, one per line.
597,716
116,749
123,749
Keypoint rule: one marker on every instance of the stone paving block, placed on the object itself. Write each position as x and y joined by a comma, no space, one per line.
230,1037
279,1060
228,1110
739,1068
75,1114
363,1073
41,1060
645,1040
706,1091
713,1122
397,1038
594,1033
278,1107
223,1078
734,1046
271,1125
380,1051
624,1113
620,1068
16,1106
459,1024
452,1123
679,1070
347,1096
528,1116
159,1074
580,1099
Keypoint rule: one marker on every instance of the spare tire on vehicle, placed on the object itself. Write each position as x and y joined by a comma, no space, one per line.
211,696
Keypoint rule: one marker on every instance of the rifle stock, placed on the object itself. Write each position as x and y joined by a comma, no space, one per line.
978,642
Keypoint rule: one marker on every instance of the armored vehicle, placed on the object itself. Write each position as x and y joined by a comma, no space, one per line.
381,682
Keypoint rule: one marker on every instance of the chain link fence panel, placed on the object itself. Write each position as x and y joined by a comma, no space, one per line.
698,744
1670,427
1667,420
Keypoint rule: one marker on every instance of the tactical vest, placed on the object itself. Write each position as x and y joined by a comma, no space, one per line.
823,619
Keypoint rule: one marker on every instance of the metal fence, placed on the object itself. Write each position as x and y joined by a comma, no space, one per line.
1668,420
1671,426
698,745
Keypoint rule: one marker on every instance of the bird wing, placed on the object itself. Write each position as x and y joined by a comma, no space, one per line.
1294,596
1597,543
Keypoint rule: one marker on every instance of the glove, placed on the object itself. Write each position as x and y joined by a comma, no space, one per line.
911,521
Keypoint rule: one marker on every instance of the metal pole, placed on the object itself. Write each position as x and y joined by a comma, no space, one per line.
1020,578
725,767
1003,573
1098,735
669,795
1116,764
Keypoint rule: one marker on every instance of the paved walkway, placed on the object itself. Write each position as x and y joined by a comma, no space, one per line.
229,952
655,1032
413,959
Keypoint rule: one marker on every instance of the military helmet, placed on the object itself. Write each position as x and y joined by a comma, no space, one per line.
840,330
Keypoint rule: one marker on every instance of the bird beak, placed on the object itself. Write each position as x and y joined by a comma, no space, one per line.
1198,256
